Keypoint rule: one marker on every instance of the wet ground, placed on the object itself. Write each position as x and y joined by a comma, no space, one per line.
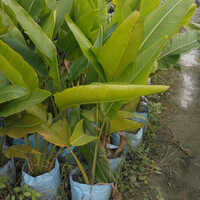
180,134
183,121
177,144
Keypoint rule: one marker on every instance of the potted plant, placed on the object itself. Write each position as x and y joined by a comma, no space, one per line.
48,123
24,115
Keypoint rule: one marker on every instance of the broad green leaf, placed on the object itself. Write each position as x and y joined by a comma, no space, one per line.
3,29
11,73
78,137
77,67
181,43
80,7
48,24
164,21
120,124
17,63
9,93
188,15
34,31
37,9
51,4
124,9
58,133
29,56
12,30
85,46
194,26
18,127
138,72
122,47
146,6
25,120
83,140
20,151
100,93
3,81
102,9
87,22
18,105
63,7
78,131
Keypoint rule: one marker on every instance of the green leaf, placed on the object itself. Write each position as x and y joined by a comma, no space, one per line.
48,24
20,151
146,6
122,47
164,21
58,133
87,22
51,4
3,29
29,56
138,72
21,104
102,9
34,31
181,43
28,75
9,93
78,131
11,73
27,194
78,67
123,9
85,46
63,7
83,140
120,124
3,81
12,30
188,15
102,93
78,137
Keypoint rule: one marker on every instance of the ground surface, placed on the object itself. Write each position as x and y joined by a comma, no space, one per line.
180,178
176,147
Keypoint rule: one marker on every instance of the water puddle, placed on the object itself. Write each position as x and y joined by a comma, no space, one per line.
186,97
189,89
190,59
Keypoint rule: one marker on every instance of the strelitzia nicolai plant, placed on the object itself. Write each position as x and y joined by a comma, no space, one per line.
33,95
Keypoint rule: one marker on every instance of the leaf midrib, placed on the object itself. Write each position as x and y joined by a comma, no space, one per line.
180,47
158,24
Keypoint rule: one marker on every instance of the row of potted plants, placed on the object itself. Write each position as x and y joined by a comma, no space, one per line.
73,76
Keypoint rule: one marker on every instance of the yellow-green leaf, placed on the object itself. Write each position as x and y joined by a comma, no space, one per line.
12,63
9,93
20,151
39,38
100,93
18,105
122,47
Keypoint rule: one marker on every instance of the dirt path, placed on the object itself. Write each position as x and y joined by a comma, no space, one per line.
180,164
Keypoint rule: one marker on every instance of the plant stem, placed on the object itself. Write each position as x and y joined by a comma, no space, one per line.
53,160
2,142
50,156
85,177
37,147
44,152
96,151
27,140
